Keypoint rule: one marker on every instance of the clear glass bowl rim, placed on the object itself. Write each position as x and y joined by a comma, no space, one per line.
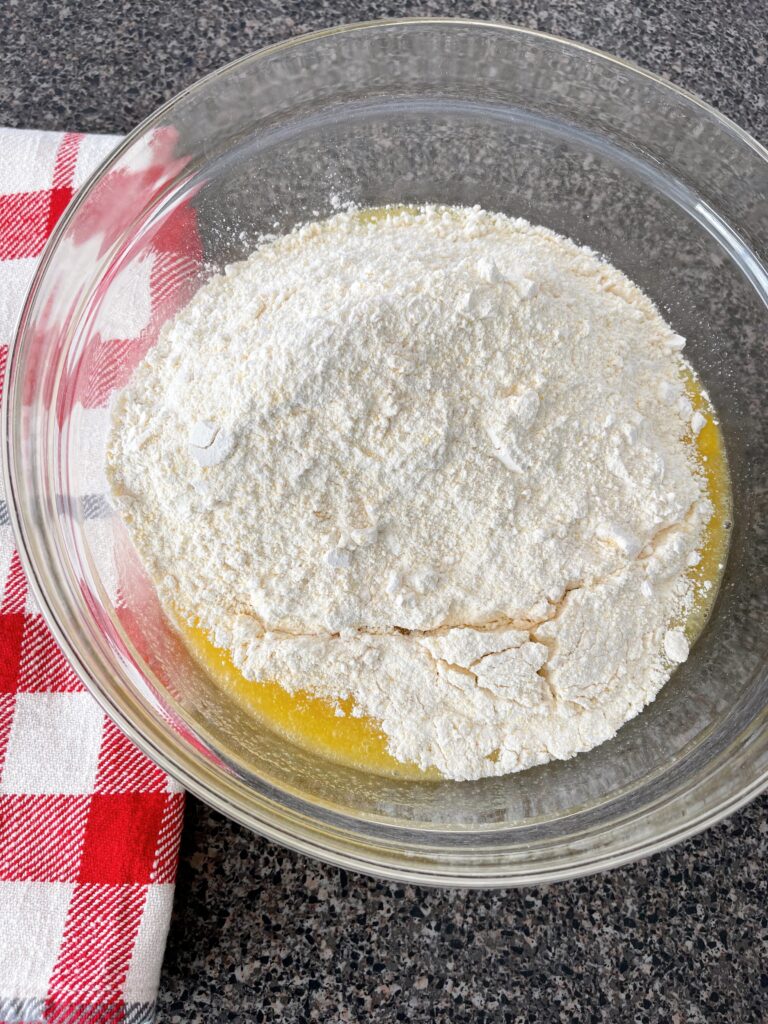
271,819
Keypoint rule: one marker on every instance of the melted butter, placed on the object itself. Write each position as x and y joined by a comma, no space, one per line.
310,722
713,465
313,723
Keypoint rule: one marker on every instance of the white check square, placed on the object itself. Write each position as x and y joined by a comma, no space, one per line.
93,149
27,160
54,744
15,279
32,919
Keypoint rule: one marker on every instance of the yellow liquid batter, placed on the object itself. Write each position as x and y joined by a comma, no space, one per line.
712,460
312,722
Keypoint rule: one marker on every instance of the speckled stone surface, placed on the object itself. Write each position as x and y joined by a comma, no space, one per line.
262,934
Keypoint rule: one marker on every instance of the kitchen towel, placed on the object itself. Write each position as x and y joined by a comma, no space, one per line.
89,827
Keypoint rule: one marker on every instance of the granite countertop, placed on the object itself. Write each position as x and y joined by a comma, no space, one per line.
260,933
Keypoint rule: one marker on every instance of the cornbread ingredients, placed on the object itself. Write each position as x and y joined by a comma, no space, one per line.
434,462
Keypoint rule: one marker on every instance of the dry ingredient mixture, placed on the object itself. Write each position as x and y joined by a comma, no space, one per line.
434,465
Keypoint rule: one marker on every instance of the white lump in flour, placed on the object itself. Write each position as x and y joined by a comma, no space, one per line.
431,460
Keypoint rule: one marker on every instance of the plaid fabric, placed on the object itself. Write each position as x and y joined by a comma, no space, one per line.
89,828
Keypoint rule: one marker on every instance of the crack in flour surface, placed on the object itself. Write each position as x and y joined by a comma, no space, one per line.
437,461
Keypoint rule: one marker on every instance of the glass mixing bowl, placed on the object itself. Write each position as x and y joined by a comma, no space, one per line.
403,112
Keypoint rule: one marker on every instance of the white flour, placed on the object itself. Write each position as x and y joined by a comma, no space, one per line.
439,463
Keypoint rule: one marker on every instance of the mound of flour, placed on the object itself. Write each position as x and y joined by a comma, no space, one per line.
436,461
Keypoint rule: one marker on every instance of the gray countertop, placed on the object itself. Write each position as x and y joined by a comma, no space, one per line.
262,934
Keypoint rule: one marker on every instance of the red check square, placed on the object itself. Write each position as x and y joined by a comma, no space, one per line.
121,838
11,633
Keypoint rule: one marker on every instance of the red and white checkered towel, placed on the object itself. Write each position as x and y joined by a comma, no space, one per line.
89,828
